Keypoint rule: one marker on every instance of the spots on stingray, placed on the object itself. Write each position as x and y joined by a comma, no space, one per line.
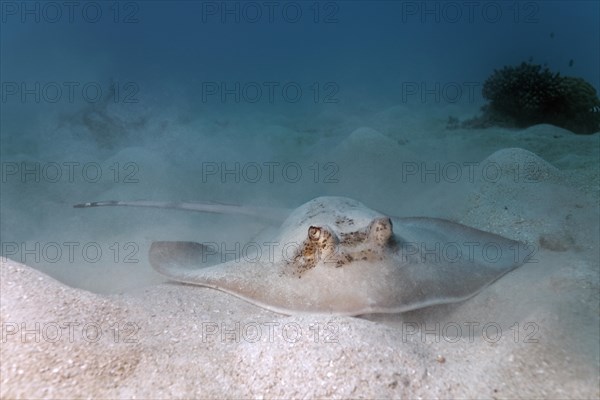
353,238
319,208
324,247
342,220
320,244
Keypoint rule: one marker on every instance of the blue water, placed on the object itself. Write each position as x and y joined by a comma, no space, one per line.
348,52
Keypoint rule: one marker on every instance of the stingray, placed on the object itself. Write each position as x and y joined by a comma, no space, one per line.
336,256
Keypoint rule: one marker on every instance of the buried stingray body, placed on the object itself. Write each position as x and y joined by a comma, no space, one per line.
334,255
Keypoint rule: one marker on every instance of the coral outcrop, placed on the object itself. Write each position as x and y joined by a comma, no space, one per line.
528,94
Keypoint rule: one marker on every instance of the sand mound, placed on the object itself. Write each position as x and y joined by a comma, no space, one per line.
58,341
181,341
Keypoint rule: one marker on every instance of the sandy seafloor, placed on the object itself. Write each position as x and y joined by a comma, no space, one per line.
110,327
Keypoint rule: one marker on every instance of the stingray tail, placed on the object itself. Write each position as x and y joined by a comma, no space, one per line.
272,214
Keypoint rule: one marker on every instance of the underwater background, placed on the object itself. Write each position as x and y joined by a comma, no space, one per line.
245,102
273,103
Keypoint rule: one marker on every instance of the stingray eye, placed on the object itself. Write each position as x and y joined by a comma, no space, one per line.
314,233
381,230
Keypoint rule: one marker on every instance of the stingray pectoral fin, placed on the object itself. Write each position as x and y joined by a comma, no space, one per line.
443,261
451,241
253,282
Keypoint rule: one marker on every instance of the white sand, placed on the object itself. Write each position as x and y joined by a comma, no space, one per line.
547,311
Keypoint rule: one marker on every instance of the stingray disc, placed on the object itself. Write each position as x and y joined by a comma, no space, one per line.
334,255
